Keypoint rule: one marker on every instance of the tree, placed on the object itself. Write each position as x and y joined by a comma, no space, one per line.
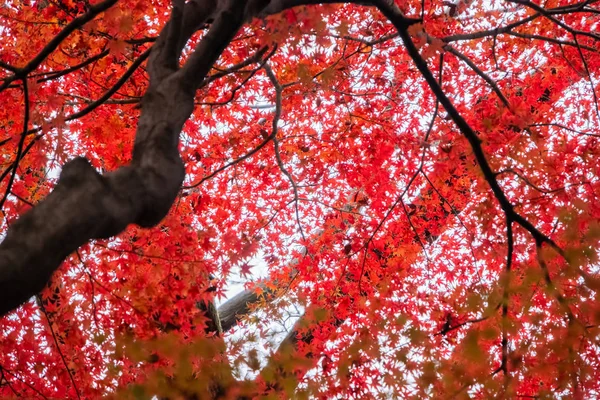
419,177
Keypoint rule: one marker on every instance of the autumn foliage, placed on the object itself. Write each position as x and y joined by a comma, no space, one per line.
408,192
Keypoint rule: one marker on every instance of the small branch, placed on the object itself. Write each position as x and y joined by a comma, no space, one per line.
456,213
527,181
491,32
366,42
419,170
231,163
62,356
91,107
86,100
22,199
550,40
566,128
15,165
549,15
256,58
4,380
232,69
447,329
589,76
92,294
29,385
479,72
57,40
254,150
382,221
8,67
278,93
51,75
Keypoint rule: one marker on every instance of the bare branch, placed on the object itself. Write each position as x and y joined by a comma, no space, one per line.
240,305
110,92
57,40
479,72
15,165
398,20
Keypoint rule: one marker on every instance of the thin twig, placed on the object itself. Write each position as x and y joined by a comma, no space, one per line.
20,145
56,343
57,40
278,96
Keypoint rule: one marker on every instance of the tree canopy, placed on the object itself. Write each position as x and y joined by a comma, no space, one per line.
419,179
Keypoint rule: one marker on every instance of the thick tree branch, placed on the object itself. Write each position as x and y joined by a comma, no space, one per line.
242,304
84,204
228,20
